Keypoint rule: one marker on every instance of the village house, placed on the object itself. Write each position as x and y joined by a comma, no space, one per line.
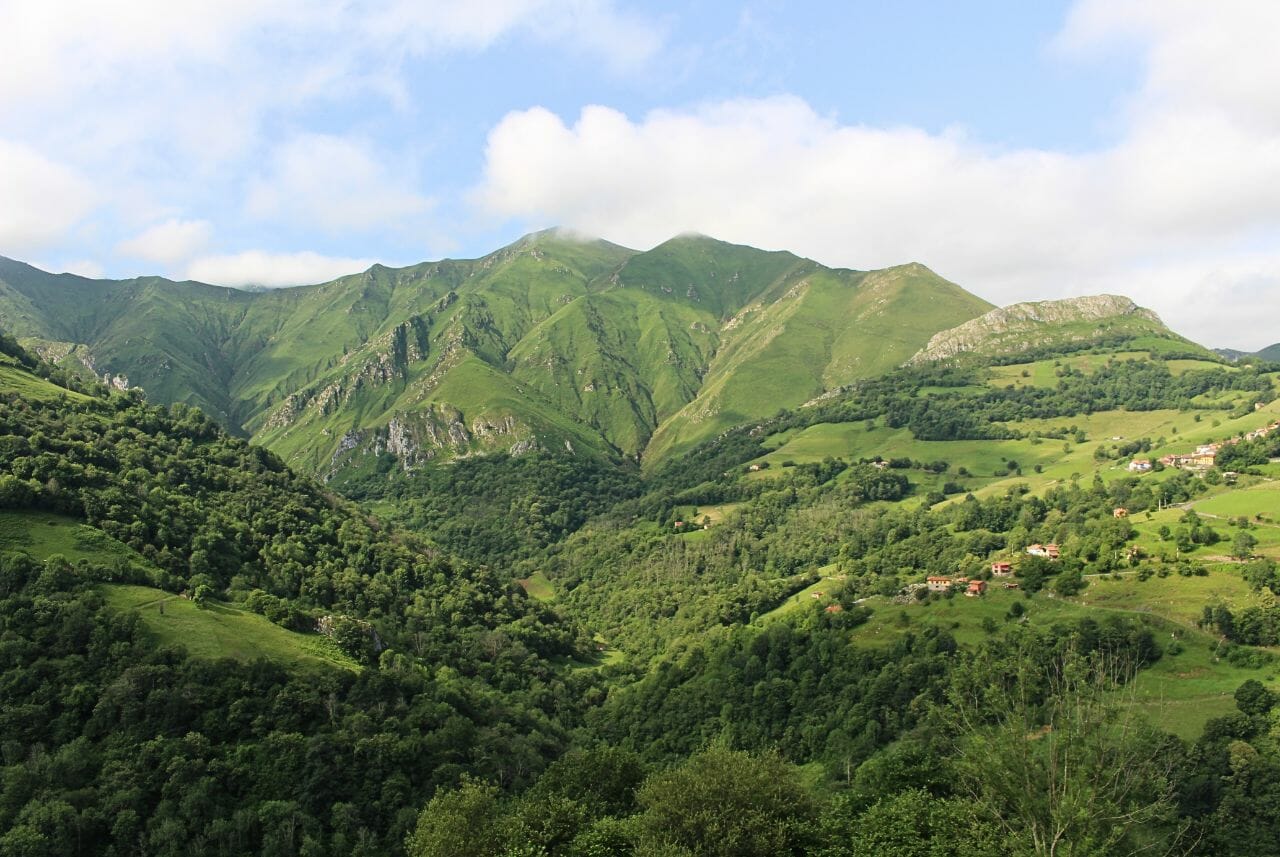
1140,465
938,584
976,588
1119,512
1046,551
1001,569
833,608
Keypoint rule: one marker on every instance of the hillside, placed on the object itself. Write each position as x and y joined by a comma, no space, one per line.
184,613
763,595
1072,323
554,342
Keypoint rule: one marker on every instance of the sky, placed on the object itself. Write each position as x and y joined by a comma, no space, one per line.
1026,151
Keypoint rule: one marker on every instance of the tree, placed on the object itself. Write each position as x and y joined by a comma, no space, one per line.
723,803
1069,583
915,823
461,822
1254,699
1243,544
200,597
1061,767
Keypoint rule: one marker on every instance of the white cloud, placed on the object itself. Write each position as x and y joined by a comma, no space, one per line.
40,200
1228,303
84,268
334,183
170,242
272,270
1186,195
157,107
623,40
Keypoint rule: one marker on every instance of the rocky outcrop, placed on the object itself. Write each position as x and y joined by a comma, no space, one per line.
1023,326
438,431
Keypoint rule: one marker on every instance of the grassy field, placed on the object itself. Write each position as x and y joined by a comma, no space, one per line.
716,513
1043,373
222,630
218,631
41,535
814,593
1247,500
1222,503
1059,461
1179,693
15,379
538,587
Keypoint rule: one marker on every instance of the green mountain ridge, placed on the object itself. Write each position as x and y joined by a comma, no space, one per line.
555,342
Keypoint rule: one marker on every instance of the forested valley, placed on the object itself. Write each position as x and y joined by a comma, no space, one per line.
734,653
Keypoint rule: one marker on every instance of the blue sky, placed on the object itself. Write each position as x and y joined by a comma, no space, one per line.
1024,150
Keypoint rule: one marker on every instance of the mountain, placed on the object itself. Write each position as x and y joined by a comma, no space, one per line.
1040,325
553,342
1270,353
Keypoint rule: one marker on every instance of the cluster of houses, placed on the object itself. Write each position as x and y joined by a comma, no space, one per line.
1205,455
972,588
999,569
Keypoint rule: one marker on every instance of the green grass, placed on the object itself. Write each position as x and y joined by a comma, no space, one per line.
812,330
1043,373
218,631
1223,502
42,535
222,630
538,587
1246,500
15,379
818,593
1179,694
1059,460
1177,598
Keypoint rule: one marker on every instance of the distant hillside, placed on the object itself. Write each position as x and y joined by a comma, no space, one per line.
1045,325
553,342
1271,353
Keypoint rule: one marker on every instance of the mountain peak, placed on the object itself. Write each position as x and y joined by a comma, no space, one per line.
1023,326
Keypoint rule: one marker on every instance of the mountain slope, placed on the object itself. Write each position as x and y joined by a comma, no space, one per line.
553,342
814,330
1073,322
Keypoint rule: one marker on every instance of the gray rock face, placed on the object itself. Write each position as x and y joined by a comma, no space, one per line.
1022,321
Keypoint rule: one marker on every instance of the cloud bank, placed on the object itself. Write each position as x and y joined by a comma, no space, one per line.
179,125
1182,209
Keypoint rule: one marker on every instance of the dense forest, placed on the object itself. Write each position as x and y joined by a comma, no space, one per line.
475,719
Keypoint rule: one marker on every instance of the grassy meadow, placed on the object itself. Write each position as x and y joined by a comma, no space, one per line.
221,630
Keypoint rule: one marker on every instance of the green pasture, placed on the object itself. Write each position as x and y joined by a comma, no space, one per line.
538,587
1179,693
42,535
15,379
221,630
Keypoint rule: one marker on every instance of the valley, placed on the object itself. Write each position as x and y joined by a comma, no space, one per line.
402,561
